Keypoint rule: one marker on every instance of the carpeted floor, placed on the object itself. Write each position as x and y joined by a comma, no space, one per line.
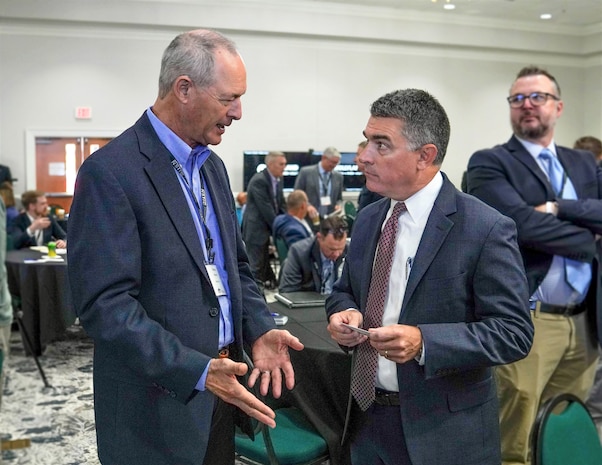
59,420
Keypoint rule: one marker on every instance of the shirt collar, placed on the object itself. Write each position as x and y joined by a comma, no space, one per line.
421,203
176,146
535,149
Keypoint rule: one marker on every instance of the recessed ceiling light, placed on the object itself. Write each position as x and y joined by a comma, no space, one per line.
545,16
449,6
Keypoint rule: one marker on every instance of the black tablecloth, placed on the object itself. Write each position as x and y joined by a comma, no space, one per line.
322,374
43,290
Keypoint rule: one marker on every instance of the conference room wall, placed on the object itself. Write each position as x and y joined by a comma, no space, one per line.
303,92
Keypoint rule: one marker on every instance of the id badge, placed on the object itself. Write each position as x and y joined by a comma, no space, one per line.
325,201
216,281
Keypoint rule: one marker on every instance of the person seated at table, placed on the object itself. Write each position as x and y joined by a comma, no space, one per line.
315,263
33,226
291,226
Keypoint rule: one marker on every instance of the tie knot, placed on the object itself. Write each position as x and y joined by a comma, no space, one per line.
398,209
546,154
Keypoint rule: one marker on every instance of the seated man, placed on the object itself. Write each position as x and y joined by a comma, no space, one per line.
33,226
314,264
291,226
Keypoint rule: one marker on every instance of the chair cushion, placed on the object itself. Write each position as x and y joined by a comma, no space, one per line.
295,440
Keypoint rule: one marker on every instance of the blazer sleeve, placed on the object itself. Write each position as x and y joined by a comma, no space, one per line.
292,272
514,191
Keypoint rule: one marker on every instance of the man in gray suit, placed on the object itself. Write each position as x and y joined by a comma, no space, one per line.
438,311
314,264
160,278
322,184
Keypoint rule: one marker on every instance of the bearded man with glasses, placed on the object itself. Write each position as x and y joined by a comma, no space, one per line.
553,194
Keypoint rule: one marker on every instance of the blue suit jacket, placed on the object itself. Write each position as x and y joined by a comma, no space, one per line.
141,291
509,179
289,229
471,315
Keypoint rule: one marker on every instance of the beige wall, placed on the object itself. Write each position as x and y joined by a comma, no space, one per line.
312,74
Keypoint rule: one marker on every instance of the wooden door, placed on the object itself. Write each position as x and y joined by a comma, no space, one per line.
57,161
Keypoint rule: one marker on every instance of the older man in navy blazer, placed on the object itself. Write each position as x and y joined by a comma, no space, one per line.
160,278
554,223
453,300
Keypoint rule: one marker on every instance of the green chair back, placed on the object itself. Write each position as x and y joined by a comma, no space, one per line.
563,436
350,209
282,249
294,440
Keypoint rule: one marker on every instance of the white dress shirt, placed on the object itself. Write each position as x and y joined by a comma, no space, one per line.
409,234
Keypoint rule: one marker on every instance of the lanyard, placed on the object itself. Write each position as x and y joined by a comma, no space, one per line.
325,183
201,209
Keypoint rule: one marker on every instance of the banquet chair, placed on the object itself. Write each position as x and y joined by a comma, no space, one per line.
294,441
565,433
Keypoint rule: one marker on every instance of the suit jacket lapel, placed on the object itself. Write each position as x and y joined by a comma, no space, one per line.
164,179
516,149
436,230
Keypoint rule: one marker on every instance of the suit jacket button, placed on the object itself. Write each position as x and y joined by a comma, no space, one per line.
213,311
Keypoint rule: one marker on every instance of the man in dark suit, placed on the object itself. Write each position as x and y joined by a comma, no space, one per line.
322,184
160,278
314,264
265,200
33,226
553,194
438,311
291,226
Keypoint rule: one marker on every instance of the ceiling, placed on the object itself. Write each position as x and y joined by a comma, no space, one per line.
564,12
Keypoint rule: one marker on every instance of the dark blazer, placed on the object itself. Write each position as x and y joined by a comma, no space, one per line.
302,270
367,197
141,291
472,317
308,180
508,178
289,229
260,211
18,231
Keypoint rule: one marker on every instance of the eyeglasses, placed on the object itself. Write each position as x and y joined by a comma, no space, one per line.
537,99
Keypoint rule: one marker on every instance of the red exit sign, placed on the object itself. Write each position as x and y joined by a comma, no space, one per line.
83,113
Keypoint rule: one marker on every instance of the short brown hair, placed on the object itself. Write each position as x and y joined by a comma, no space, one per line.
533,70
335,225
30,197
591,144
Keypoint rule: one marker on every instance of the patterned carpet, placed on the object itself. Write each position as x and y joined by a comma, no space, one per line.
59,420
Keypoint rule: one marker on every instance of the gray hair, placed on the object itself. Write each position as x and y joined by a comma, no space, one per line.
424,119
271,156
192,53
331,152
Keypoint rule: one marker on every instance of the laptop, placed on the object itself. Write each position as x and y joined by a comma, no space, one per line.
301,299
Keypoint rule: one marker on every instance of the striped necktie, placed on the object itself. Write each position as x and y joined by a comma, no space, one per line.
364,372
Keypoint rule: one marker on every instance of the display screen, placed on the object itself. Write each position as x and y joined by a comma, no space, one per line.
253,162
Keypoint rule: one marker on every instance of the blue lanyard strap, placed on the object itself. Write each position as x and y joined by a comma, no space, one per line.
201,209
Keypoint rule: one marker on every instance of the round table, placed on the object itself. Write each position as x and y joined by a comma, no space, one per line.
42,288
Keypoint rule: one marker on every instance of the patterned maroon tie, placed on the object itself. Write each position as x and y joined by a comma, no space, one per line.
364,373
